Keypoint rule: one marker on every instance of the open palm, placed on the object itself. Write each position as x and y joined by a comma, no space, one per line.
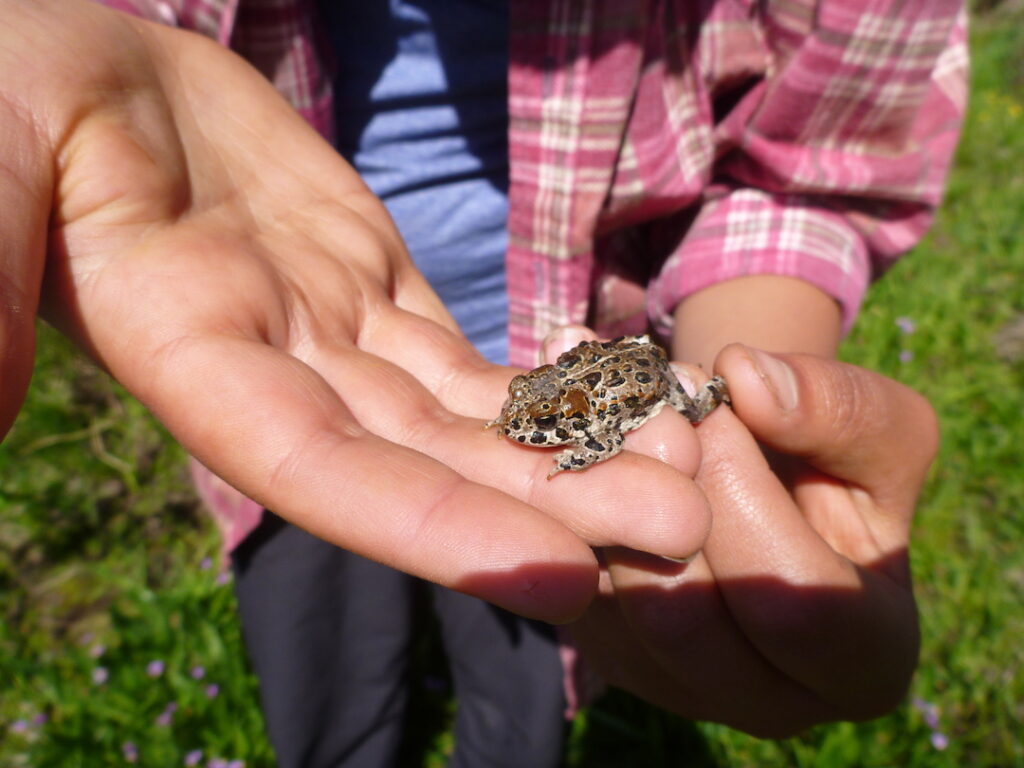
168,211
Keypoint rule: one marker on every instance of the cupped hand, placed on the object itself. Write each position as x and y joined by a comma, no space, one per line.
799,609
163,206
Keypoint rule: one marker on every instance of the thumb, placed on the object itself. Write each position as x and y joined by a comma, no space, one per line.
844,421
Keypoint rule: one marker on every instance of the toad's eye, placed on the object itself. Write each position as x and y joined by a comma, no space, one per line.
546,422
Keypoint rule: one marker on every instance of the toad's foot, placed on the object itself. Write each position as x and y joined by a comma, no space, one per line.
587,453
710,396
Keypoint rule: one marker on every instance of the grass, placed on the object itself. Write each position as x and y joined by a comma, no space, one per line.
107,565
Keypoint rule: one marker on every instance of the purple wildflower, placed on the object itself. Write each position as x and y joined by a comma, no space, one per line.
193,757
206,564
40,719
97,650
930,713
100,675
198,672
906,324
236,764
20,726
164,718
212,690
130,751
906,355
223,578
155,668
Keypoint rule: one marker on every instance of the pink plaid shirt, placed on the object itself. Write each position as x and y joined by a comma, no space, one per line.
660,146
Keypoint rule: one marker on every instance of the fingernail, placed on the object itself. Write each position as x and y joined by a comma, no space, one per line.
561,339
681,560
685,379
777,377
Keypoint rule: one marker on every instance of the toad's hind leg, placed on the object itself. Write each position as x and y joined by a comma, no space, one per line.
583,455
708,397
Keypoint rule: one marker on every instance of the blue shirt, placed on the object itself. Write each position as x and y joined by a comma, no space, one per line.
421,112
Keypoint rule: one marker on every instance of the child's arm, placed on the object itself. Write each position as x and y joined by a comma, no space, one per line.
777,314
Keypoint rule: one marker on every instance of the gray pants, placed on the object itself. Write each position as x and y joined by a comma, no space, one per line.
329,635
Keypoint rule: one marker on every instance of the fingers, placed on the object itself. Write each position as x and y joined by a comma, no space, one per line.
630,500
847,422
770,600
17,327
817,597
668,636
440,358
25,182
274,429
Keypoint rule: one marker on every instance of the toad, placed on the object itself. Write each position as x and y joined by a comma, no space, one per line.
593,395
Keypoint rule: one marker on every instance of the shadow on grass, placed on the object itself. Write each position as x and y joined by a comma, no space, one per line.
620,730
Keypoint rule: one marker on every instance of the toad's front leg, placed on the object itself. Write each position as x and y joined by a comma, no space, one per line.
707,399
590,450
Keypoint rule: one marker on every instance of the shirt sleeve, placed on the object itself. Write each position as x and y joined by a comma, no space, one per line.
832,166
213,18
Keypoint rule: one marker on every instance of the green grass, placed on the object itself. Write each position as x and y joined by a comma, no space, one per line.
106,562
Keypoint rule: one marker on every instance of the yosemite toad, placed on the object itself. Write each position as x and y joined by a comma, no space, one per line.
593,395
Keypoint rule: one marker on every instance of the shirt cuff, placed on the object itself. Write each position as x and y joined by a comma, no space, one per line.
750,232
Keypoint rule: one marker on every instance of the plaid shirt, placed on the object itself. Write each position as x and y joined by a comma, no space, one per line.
660,146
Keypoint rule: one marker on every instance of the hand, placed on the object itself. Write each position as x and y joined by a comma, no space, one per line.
225,265
799,609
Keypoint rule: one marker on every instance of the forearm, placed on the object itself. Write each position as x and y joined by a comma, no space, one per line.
774,313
